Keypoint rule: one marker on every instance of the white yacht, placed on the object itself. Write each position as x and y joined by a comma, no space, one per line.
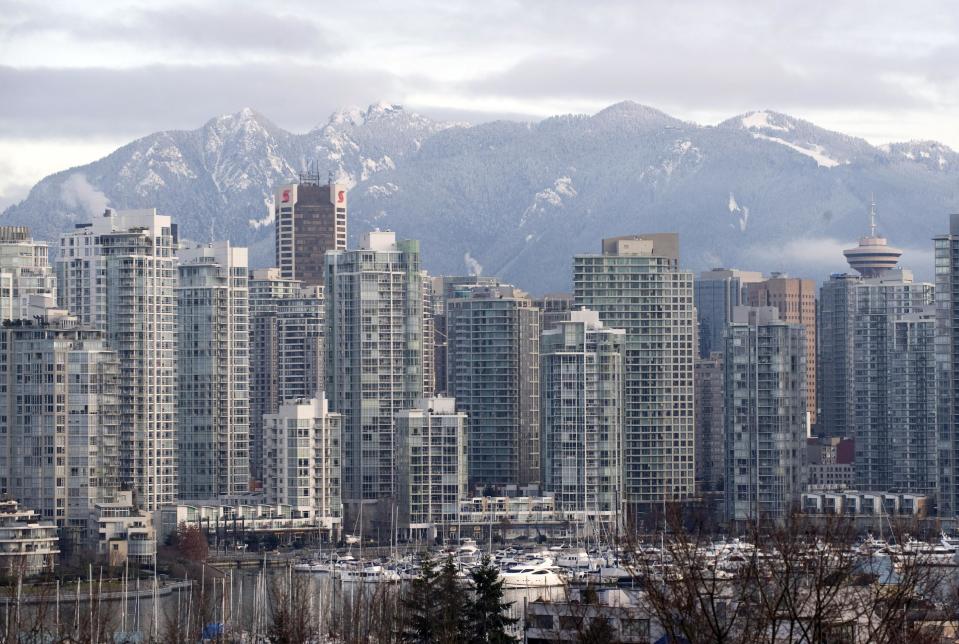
369,574
537,573
469,551
928,554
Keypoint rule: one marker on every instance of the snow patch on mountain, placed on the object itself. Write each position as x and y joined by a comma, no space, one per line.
549,197
372,166
932,154
814,151
683,150
266,220
378,192
765,121
741,212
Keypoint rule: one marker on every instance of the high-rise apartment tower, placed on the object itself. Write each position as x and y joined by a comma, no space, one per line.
118,275
636,284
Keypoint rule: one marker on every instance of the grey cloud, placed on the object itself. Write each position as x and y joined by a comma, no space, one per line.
737,55
124,102
731,82
235,28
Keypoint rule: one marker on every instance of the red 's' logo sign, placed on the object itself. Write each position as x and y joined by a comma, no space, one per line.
286,196
340,196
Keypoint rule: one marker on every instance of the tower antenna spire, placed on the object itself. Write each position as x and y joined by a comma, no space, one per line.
872,215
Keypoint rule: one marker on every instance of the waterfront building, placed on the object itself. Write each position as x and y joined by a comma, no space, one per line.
303,460
582,371
893,385
286,349
431,466
374,356
493,337
29,542
239,521
59,387
765,410
124,532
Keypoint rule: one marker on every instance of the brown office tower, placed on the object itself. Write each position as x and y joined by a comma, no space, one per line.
310,220
796,300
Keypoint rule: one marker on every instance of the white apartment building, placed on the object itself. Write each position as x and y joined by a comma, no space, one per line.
29,543
59,388
431,466
765,414
118,274
302,460
582,372
24,271
124,532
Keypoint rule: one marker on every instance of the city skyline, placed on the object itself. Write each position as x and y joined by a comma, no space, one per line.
539,321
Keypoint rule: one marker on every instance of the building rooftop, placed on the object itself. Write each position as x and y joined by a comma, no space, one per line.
873,255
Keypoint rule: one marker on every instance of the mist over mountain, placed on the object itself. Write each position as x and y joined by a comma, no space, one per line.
762,190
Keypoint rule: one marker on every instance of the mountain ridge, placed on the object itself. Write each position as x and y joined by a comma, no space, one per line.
520,198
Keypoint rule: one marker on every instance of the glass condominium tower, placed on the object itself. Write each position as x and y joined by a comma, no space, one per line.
493,335
635,284
374,349
947,367
214,371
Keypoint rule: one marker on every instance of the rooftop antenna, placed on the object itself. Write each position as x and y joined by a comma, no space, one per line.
872,215
312,173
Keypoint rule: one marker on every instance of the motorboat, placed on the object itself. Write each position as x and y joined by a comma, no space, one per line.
537,573
579,561
369,574
311,566
469,551
326,567
927,554
872,547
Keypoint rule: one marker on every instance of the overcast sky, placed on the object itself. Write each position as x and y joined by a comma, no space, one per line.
78,79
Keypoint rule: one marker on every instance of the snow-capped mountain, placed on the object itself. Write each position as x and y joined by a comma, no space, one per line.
761,190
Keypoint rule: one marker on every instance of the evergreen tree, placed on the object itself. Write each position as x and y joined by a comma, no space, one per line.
488,621
419,605
453,606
